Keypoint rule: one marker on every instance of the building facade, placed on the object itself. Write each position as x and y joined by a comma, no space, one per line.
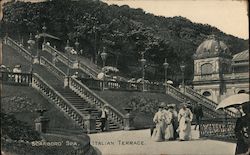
217,73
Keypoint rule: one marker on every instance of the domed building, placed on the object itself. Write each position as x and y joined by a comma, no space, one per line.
217,73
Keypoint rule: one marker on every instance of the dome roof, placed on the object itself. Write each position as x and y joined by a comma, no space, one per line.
242,56
212,47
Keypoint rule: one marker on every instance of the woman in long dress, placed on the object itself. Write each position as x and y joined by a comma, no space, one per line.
169,130
242,132
159,120
185,117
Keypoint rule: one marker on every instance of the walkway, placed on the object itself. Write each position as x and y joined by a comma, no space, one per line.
138,142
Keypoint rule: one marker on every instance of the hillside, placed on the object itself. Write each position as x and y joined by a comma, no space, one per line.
125,32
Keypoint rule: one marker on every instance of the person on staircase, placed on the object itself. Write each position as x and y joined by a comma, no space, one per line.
104,118
185,117
198,112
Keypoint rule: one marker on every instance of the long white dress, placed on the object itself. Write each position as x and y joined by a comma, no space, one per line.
159,131
169,129
185,117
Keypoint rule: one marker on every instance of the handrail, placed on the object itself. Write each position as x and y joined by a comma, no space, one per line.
183,97
89,95
65,60
56,71
26,54
49,92
208,101
121,85
16,78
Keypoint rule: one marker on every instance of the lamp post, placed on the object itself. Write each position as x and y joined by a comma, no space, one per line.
104,55
67,48
143,62
77,48
44,28
182,66
36,60
165,65
31,43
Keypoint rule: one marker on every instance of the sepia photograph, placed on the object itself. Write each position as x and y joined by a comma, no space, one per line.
124,77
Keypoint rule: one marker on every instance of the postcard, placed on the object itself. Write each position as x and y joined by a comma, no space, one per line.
124,77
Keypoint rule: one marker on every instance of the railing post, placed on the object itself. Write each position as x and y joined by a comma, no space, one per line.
90,122
41,123
66,81
128,120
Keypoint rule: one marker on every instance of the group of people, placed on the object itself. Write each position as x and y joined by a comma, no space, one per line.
170,125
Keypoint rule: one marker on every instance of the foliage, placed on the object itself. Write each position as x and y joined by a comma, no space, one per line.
125,32
17,130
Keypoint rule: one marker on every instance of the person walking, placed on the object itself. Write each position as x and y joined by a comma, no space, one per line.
185,117
159,119
198,112
17,69
242,131
169,130
172,109
104,118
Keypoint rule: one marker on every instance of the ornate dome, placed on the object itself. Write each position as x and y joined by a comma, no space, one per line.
212,47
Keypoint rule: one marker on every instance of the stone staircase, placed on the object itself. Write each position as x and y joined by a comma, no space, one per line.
192,96
85,66
49,81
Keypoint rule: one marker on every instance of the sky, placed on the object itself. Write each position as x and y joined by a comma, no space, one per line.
230,16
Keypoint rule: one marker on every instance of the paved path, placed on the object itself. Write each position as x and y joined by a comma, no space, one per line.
139,143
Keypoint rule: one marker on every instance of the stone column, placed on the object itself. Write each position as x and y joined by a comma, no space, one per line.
66,81
42,122
90,121
128,120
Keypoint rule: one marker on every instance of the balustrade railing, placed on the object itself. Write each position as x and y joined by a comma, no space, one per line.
16,78
200,98
208,111
52,95
85,68
20,49
93,98
56,71
218,128
121,85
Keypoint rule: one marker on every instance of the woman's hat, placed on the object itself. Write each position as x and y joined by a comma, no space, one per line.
184,104
162,105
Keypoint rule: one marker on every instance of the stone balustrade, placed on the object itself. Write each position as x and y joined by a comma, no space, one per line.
20,49
202,99
94,99
47,91
16,78
52,68
72,64
208,110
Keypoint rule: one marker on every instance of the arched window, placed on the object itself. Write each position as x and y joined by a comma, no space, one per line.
241,91
206,93
206,68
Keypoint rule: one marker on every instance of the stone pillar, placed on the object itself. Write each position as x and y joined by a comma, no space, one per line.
36,60
66,81
75,64
128,120
42,122
90,122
